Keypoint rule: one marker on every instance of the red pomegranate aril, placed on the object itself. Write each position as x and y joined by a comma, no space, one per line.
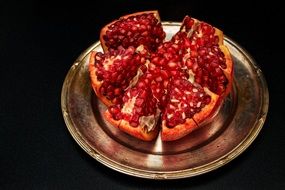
114,110
135,118
155,60
145,33
139,102
189,63
117,91
200,41
134,124
174,73
218,71
110,88
202,51
222,79
158,79
206,28
134,93
102,91
214,64
141,84
161,62
138,109
134,28
125,99
158,90
195,67
172,64
164,74
143,94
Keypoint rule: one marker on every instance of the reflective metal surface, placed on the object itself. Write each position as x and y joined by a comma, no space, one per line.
232,130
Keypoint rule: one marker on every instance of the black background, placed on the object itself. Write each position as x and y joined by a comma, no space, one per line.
39,42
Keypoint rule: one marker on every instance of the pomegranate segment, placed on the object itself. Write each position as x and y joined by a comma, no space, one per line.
138,110
207,68
203,57
141,78
114,70
185,100
142,28
137,102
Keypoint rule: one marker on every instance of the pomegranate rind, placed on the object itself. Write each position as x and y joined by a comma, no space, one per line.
220,35
191,124
105,28
94,82
139,132
154,12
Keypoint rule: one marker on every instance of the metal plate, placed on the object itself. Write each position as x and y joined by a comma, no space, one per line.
233,129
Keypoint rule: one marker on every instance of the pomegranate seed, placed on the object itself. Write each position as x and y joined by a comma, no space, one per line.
214,64
199,104
174,101
134,92
158,79
145,33
134,124
164,74
162,61
139,102
218,71
195,67
125,99
135,118
141,84
110,95
172,64
202,51
165,84
200,41
143,95
117,91
116,101
207,100
114,110
143,27
155,60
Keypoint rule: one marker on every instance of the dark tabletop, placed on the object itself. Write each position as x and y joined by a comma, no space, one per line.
39,42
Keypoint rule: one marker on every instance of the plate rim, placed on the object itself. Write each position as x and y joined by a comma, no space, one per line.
163,175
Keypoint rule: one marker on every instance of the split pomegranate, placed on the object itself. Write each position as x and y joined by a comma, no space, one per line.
143,80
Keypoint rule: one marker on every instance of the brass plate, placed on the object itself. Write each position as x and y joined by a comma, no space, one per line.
234,128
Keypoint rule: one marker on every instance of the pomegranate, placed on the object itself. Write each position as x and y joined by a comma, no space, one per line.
143,28
182,81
